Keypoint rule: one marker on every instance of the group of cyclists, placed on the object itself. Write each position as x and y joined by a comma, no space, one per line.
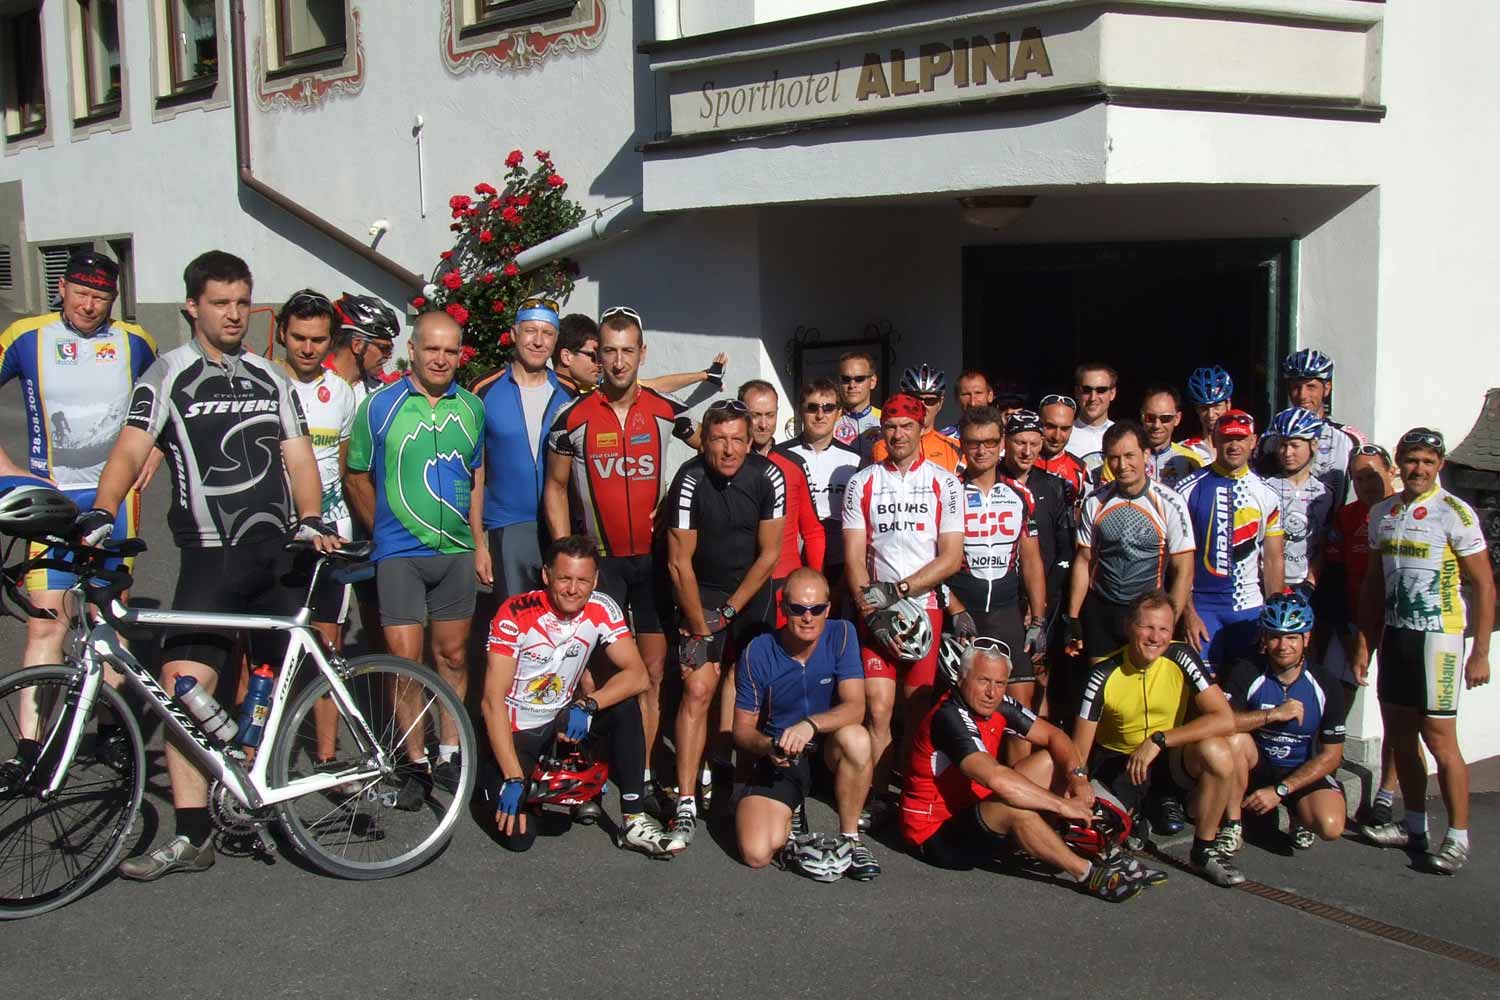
993,635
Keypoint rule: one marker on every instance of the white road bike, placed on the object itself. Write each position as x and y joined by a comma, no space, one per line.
68,801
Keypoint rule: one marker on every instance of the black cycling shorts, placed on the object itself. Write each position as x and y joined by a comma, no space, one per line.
963,842
757,616
1421,670
788,785
249,578
1108,768
1104,625
1269,776
632,583
1004,623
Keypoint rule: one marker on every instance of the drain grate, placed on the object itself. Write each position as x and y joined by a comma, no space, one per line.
1338,915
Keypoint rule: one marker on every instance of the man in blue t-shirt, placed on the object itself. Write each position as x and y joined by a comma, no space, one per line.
800,691
1289,729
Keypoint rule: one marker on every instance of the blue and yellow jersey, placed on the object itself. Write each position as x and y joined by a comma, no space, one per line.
77,390
1233,513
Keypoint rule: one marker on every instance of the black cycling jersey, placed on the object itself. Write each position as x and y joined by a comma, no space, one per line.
727,514
221,424
1052,504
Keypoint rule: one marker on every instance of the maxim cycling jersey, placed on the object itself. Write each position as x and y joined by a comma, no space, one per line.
221,424
995,521
726,513
1130,702
828,472
936,789
1306,509
902,514
421,458
1132,537
77,390
1420,544
617,470
328,404
1233,513
550,651
1253,687
937,448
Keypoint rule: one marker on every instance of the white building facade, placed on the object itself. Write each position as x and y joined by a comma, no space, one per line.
1013,185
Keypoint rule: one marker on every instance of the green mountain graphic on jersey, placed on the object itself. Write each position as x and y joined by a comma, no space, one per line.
1414,602
429,493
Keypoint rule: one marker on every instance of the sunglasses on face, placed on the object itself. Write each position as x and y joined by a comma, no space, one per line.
854,379
819,407
593,356
794,610
385,347
929,399
1052,399
614,311
1158,418
1094,390
982,444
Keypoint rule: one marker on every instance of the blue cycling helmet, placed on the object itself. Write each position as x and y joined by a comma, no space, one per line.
1210,385
1287,614
1307,363
1295,422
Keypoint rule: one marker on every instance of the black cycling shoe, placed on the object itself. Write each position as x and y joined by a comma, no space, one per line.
15,773
1171,818
447,773
414,789
112,749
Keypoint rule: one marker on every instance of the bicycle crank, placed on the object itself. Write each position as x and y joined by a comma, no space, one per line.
238,822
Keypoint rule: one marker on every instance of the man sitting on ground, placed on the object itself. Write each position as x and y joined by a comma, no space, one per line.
800,691
961,807
1135,712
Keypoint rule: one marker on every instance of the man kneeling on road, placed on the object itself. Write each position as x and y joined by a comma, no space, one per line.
539,644
801,691
1289,722
1135,711
961,807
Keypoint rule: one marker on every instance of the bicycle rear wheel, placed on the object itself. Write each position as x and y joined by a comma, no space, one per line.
52,852
360,830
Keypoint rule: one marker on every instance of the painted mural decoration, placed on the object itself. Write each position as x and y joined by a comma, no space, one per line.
524,46
310,89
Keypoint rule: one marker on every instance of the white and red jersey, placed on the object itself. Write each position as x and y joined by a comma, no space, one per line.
995,521
550,651
902,514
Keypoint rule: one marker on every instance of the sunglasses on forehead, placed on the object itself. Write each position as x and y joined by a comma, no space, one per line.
991,645
1372,449
535,303
307,297
625,311
1053,398
731,405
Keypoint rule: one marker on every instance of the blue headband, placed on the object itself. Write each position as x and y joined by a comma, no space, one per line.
538,312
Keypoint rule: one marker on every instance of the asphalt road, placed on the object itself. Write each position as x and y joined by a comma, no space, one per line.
577,917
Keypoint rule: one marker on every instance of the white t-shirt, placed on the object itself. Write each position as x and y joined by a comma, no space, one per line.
328,403
1087,443
534,405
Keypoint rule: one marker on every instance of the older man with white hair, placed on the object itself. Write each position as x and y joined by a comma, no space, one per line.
962,808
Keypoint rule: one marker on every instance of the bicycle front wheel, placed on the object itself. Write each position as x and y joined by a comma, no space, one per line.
390,824
53,851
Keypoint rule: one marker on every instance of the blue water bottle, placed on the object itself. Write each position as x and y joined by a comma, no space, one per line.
257,706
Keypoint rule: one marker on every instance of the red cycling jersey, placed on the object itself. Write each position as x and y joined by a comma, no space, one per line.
1069,468
550,651
617,469
803,543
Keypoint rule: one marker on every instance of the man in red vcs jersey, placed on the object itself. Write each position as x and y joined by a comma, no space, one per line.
540,642
903,536
609,447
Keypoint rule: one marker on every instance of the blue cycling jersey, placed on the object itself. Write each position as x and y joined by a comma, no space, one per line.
1253,687
77,390
784,691
1233,512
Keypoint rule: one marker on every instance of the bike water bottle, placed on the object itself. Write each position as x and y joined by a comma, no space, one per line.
257,706
202,707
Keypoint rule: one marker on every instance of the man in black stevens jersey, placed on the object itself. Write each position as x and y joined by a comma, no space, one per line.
725,513
243,473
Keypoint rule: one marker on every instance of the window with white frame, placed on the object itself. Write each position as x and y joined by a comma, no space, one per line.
99,56
24,83
310,32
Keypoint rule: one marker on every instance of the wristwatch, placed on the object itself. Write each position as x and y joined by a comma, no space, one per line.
1079,772
589,705
727,612
1160,739
1282,791
903,588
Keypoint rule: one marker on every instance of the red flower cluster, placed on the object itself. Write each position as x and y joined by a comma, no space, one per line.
458,312
507,339
554,180
485,189
514,159
460,204
466,355
453,281
485,236
418,302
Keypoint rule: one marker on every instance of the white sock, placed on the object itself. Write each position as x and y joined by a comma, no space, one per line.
1459,837
707,776
1416,823
419,761
852,836
1385,797
446,751
1085,876
648,776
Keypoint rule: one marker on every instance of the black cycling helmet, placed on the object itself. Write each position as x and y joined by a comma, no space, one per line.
30,508
366,316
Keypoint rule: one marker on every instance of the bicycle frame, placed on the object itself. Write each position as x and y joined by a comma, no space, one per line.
102,645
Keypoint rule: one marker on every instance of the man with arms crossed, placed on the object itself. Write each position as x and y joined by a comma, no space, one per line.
243,473
540,643
801,692
903,536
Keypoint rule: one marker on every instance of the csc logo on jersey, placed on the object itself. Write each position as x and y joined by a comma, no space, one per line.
990,523
625,467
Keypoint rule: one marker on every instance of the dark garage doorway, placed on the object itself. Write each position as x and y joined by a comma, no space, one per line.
1155,311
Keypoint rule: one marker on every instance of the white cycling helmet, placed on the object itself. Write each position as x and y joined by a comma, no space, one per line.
822,857
950,659
903,629
31,508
